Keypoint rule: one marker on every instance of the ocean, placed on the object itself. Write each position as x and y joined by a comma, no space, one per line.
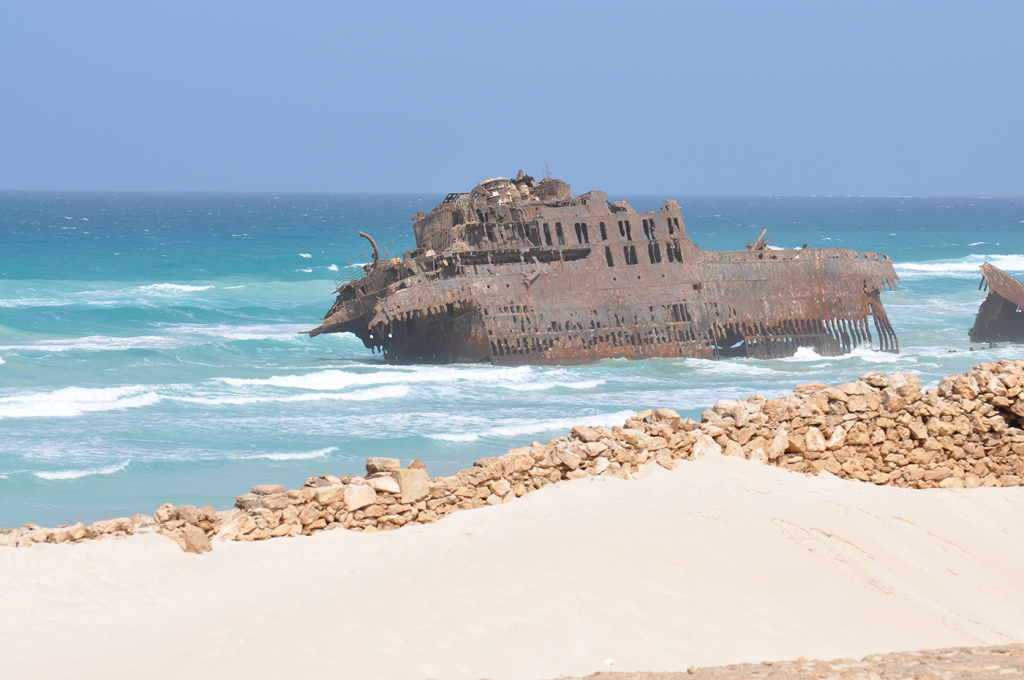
150,348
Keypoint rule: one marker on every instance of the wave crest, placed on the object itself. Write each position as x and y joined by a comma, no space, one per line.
76,474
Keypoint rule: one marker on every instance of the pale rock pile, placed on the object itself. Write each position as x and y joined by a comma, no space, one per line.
880,429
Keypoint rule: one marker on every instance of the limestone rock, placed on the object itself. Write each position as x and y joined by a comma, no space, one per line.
705,446
359,496
732,449
191,539
193,515
329,495
267,489
166,513
666,462
376,465
413,484
814,440
586,434
568,458
778,445
918,430
385,484
837,440
111,525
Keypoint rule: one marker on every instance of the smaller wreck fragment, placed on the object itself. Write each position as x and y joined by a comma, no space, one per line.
999,318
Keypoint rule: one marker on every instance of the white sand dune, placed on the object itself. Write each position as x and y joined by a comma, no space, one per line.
720,561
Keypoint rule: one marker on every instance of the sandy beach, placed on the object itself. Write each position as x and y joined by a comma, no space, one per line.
723,560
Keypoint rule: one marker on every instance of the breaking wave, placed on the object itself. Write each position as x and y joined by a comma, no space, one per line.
76,474
372,394
170,288
75,401
966,268
304,455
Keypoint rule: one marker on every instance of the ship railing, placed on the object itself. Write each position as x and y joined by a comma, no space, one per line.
794,254
355,267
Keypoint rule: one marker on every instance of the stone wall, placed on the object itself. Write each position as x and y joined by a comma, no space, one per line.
879,429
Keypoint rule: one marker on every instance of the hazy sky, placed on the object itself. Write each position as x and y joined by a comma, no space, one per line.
880,98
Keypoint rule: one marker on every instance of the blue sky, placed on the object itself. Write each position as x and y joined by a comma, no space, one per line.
797,98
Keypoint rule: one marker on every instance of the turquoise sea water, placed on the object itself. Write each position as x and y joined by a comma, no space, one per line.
149,346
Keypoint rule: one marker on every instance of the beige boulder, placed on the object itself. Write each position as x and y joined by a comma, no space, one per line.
586,434
191,539
384,484
814,440
732,449
166,513
837,440
190,514
705,446
268,489
376,465
413,484
359,496
329,495
111,525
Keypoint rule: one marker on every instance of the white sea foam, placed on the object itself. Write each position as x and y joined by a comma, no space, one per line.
333,267
372,394
170,288
307,271
536,427
334,379
33,302
304,455
865,353
96,343
220,332
233,287
804,354
76,474
725,368
75,401
538,386
305,255
968,267
979,243
2,361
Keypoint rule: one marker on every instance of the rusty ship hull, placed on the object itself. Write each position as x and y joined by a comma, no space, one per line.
1000,317
562,279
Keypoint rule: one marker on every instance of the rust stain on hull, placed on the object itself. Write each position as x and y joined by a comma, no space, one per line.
523,272
999,318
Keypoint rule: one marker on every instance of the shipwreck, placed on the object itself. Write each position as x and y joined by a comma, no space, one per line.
999,318
520,271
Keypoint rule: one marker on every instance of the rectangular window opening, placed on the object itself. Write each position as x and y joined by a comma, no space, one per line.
604,232
547,234
586,236
558,234
654,253
608,256
629,254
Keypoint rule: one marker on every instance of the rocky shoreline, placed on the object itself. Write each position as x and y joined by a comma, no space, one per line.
880,429
958,663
